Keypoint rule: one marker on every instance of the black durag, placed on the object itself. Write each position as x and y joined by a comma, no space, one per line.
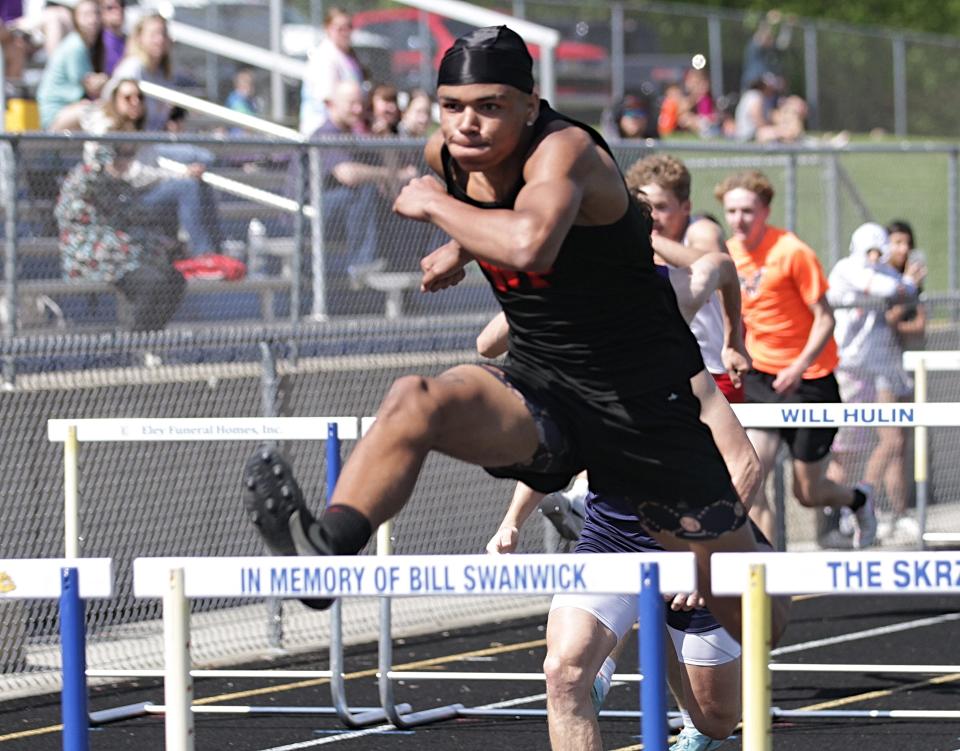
493,54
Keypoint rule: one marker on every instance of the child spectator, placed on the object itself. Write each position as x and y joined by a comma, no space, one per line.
243,98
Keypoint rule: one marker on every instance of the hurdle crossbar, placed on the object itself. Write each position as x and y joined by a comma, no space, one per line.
377,576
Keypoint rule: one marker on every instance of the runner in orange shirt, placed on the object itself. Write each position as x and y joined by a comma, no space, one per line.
790,339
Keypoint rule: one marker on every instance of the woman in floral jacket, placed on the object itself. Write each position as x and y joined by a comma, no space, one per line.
102,233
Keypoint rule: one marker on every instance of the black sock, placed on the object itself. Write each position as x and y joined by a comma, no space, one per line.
344,529
859,498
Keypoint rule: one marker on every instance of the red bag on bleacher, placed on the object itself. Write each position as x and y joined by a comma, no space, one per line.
211,266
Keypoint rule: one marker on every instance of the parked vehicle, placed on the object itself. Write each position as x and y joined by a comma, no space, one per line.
581,67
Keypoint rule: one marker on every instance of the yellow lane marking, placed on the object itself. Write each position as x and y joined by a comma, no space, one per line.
30,733
499,649
880,694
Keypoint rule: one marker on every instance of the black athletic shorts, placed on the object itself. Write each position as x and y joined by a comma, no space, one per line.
806,444
651,449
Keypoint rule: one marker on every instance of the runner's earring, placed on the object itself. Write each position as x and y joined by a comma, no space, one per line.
530,123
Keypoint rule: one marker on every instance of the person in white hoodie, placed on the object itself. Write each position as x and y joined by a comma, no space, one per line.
862,286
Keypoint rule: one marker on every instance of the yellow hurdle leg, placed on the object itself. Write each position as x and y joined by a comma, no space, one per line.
756,662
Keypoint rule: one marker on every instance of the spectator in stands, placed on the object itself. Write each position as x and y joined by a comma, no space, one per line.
632,118
243,98
37,23
73,76
161,198
908,319
103,235
862,285
384,111
674,102
764,117
764,53
352,180
16,44
147,59
114,33
417,115
328,64
699,115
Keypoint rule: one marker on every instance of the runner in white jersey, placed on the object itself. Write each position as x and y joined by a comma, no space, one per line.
664,182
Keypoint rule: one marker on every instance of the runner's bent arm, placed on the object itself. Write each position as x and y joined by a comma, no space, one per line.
525,500
527,237
820,333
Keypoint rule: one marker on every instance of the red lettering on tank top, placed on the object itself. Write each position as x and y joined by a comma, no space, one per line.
508,279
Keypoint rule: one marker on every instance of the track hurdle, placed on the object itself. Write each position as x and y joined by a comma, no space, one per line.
757,576
71,581
918,415
262,429
399,576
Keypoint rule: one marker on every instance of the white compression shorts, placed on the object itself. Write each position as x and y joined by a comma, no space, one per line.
618,613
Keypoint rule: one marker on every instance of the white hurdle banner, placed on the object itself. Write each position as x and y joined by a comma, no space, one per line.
756,576
203,429
412,575
71,580
850,415
39,578
648,575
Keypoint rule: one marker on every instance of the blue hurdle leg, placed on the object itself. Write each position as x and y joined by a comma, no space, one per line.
73,699
333,459
653,701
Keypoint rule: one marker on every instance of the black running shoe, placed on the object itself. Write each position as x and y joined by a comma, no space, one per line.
275,504
560,511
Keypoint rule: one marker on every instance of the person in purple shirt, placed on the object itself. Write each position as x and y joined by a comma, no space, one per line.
114,37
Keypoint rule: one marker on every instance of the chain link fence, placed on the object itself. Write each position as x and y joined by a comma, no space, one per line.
224,354
899,77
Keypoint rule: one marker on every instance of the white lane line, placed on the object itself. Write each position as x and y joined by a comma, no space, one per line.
907,626
381,728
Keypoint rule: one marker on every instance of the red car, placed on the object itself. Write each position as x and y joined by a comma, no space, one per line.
576,62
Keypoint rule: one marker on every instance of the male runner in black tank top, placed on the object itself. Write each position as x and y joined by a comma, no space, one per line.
600,365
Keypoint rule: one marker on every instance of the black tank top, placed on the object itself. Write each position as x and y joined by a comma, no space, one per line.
601,321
